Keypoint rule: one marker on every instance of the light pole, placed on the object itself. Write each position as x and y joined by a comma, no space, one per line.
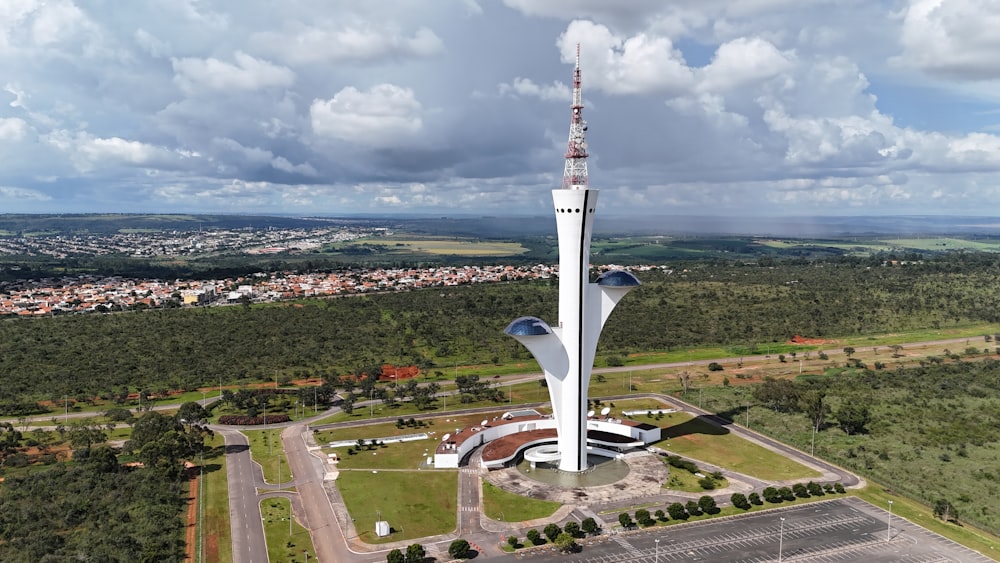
656,558
888,532
371,402
781,537
812,446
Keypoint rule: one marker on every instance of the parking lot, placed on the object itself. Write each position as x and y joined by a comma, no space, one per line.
845,529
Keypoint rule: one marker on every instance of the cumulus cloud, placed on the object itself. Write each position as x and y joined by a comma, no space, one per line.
246,73
954,38
386,115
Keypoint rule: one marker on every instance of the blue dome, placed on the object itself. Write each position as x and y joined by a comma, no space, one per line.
527,326
617,278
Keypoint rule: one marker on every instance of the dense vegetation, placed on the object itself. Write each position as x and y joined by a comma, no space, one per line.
930,431
95,509
733,305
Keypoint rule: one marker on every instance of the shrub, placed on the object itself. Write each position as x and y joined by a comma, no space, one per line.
552,531
660,516
799,490
512,542
754,498
839,488
786,493
677,512
739,500
814,489
572,528
707,505
590,525
715,366
643,518
692,508
771,494
534,537
706,483
395,556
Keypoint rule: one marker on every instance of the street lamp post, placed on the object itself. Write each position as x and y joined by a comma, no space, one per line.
656,558
781,537
812,446
888,531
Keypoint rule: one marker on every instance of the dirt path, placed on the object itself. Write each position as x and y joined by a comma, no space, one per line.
191,531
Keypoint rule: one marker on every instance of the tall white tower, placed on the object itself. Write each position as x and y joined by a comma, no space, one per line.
566,352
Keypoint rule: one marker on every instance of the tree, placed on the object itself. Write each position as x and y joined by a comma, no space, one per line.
512,541
853,417
534,537
415,553
771,494
715,366
625,519
643,518
677,512
395,556
572,528
739,500
799,490
754,499
944,510
552,531
660,515
707,505
459,549
786,493
692,508
590,525
849,351
811,403
191,413
565,543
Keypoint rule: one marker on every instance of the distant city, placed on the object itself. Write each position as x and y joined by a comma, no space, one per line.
88,293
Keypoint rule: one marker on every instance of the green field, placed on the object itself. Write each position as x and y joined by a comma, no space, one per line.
415,503
217,542
266,449
695,438
500,505
285,543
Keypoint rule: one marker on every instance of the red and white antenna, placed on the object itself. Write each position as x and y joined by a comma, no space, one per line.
575,173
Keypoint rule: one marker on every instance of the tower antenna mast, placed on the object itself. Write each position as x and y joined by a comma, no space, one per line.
575,172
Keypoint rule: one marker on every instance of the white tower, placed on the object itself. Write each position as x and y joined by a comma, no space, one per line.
566,353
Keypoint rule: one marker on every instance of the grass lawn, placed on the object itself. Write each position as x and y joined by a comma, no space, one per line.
682,480
266,449
415,503
500,505
693,437
282,546
218,541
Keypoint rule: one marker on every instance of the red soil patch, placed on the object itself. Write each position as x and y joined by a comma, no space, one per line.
397,373
191,535
803,340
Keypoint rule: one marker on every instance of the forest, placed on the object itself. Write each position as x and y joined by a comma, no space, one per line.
739,306
928,432
96,508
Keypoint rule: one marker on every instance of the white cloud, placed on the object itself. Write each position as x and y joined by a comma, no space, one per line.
386,115
12,129
89,152
11,192
742,61
361,42
638,64
955,38
248,73
557,91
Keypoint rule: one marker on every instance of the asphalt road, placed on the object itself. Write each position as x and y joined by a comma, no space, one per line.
245,520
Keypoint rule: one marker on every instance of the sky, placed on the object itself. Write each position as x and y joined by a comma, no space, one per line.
754,108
